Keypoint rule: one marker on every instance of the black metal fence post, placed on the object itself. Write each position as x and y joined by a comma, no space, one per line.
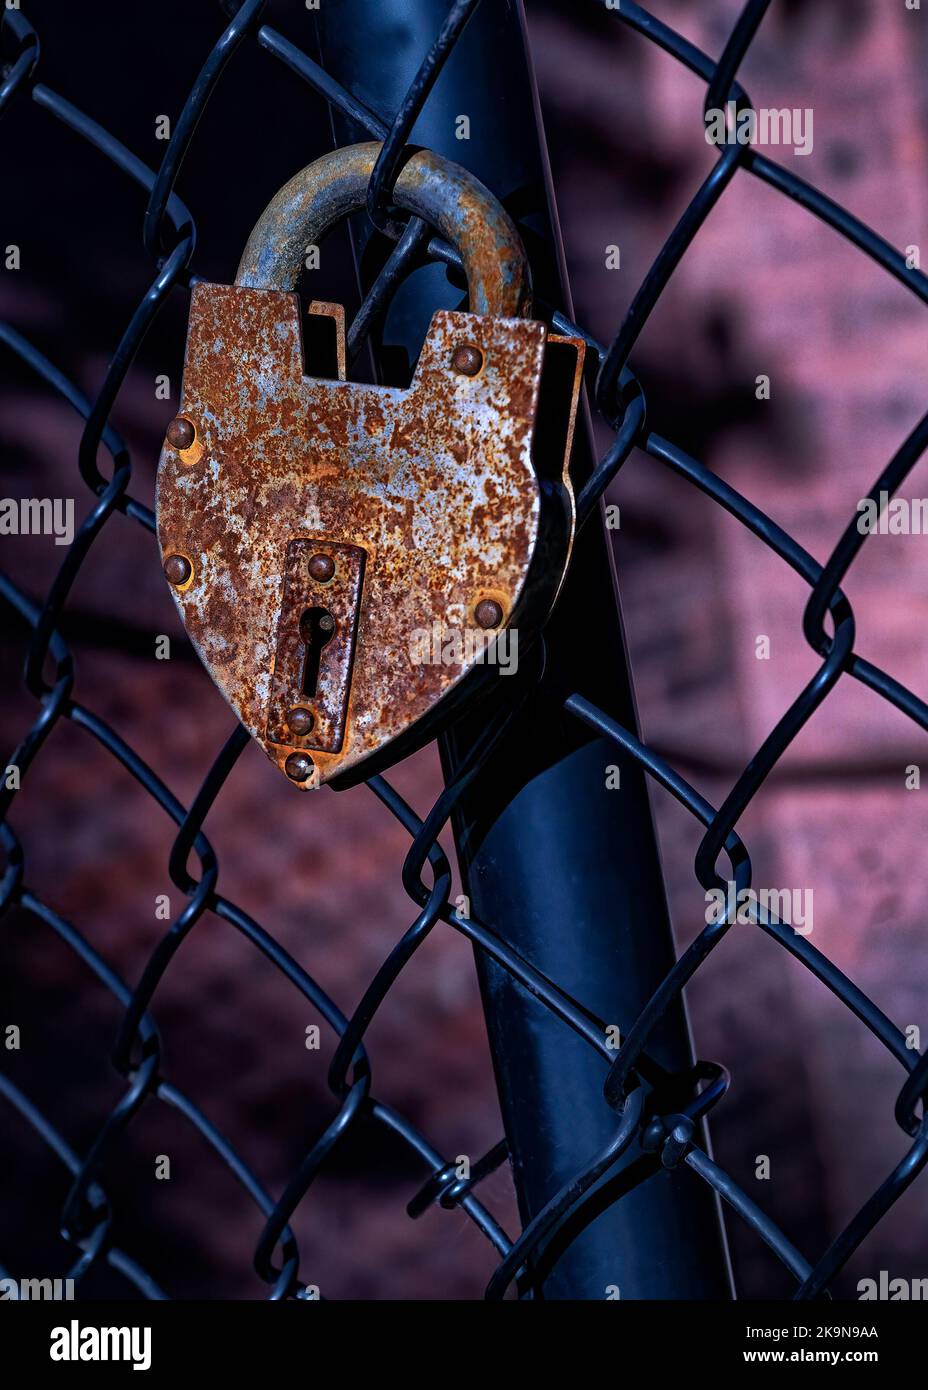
565,869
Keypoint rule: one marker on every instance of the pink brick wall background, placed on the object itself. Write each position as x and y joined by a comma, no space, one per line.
767,289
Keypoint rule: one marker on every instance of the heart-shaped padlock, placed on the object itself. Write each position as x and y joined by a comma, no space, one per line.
350,559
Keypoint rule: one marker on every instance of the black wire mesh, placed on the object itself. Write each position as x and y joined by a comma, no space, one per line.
169,239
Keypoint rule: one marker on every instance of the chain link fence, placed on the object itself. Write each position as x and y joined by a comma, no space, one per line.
646,1101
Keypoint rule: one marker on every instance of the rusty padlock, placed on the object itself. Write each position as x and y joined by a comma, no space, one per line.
322,536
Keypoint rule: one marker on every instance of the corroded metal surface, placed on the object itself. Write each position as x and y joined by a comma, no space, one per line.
316,634
441,192
432,490
435,484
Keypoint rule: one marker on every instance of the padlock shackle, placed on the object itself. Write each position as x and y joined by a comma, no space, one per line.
442,193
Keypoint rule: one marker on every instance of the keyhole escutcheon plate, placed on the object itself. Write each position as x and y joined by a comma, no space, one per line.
315,642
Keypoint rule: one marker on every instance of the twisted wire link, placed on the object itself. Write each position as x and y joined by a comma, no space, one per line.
659,1110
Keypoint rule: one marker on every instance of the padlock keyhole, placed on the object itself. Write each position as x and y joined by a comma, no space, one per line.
316,628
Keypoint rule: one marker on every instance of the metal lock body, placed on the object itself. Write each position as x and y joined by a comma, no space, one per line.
322,536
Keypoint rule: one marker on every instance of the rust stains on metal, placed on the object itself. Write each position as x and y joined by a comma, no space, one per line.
436,189
433,486
316,643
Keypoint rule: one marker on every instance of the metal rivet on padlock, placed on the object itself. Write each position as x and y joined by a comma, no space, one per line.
322,567
488,613
467,359
180,433
300,722
359,554
177,569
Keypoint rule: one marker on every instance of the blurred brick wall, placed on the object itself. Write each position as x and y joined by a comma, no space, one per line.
767,289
